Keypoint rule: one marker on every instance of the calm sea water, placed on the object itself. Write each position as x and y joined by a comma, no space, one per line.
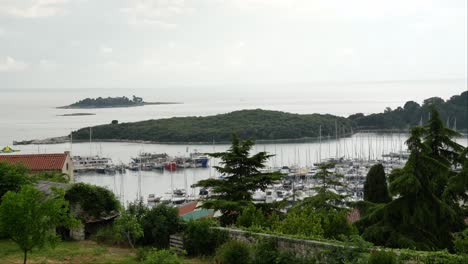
31,114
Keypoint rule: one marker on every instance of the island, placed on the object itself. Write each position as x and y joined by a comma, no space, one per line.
111,102
266,125
78,114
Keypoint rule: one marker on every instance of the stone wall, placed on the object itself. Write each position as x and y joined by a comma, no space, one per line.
298,247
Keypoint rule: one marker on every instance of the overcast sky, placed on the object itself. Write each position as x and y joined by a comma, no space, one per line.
150,43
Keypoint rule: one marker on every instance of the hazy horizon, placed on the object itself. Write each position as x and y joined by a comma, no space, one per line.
64,44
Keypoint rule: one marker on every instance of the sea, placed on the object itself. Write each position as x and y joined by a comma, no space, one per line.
32,114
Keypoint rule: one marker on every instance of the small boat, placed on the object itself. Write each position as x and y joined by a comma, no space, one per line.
153,198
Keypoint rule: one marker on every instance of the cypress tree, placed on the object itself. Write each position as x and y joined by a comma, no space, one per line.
375,187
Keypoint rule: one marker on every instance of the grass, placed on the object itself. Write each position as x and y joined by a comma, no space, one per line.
74,252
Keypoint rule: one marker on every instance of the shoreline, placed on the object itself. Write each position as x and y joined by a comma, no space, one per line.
66,139
116,106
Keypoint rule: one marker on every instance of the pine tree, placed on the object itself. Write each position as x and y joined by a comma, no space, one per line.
419,218
375,186
234,193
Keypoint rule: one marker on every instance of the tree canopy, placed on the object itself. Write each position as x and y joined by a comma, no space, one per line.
12,177
420,217
375,186
29,218
90,201
234,193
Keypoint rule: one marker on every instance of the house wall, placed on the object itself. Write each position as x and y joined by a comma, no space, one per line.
68,167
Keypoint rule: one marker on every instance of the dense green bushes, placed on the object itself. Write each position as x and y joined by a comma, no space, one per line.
382,257
200,239
158,224
91,201
234,252
12,177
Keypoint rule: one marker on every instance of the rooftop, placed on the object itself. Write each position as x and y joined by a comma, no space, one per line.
37,162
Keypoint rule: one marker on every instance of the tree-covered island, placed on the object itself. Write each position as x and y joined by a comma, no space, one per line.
109,102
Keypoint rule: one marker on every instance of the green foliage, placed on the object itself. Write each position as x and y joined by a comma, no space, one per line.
325,210
255,124
107,102
234,252
234,193
411,114
382,257
420,218
108,235
29,218
251,216
266,251
129,228
435,257
304,223
51,176
158,224
91,201
200,239
12,177
161,257
375,186
461,242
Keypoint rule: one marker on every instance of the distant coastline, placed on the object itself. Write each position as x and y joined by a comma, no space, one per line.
78,114
116,106
111,102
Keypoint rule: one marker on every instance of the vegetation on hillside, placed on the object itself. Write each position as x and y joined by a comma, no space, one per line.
107,102
273,125
454,110
255,124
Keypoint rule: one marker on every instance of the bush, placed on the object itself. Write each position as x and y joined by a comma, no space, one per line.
382,257
234,252
94,201
108,235
202,240
158,224
251,216
461,242
12,177
161,257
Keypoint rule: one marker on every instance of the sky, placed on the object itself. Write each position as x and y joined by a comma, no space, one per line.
69,44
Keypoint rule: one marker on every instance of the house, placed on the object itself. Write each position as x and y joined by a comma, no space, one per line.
59,162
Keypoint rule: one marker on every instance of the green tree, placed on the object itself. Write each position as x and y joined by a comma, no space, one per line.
129,228
91,201
328,205
419,218
12,177
375,186
158,224
29,218
234,193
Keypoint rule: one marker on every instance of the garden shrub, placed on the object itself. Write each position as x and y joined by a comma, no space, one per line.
108,235
234,252
158,224
163,256
461,242
200,239
382,257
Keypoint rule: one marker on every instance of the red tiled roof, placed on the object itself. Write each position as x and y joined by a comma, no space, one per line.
187,208
37,162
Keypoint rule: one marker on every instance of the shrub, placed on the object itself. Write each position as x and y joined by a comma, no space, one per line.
382,257
94,201
265,252
161,257
461,242
108,235
158,224
12,177
202,240
251,216
234,252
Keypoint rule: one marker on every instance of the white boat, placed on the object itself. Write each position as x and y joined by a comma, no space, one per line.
90,163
